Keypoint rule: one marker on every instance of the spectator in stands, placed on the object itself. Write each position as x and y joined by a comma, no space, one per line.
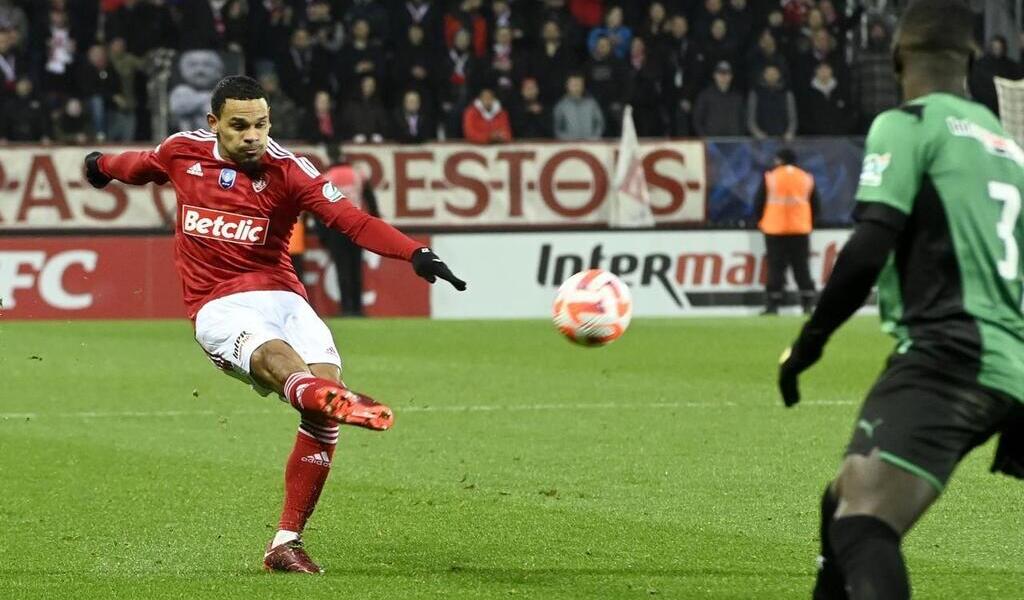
994,63
577,115
24,117
683,71
874,86
327,32
375,15
606,75
467,17
822,49
213,24
531,119
614,31
462,73
656,26
287,117
767,53
506,66
425,14
587,13
303,68
713,10
551,63
12,17
271,25
412,124
771,107
361,56
721,47
364,119
719,108
502,15
645,90
60,54
569,26
73,126
741,24
122,116
144,25
13,64
416,66
321,124
100,87
825,109
485,121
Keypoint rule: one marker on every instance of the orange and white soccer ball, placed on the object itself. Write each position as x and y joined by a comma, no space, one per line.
593,308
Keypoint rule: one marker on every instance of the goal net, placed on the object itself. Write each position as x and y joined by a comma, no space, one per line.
1011,107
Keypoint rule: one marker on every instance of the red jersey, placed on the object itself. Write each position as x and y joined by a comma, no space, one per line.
232,229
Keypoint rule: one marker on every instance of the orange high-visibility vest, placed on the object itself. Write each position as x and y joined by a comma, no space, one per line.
787,209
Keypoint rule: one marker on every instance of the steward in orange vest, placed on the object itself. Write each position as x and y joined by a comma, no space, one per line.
785,207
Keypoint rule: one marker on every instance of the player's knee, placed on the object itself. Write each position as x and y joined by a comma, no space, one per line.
274,361
326,371
867,485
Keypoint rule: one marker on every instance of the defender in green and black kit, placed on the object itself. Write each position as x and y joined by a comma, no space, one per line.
940,230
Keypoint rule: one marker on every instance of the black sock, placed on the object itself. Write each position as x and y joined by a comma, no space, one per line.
868,552
829,584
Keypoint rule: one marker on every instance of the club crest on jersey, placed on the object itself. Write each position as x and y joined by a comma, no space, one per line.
258,185
227,178
331,192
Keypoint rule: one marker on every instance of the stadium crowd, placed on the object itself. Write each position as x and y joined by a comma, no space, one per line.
416,70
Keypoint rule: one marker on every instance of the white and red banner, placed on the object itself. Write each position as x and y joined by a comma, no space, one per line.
670,273
433,185
510,275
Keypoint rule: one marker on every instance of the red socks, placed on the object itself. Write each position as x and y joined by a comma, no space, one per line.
300,389
307,469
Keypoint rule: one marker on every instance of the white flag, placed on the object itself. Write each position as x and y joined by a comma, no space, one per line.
631,200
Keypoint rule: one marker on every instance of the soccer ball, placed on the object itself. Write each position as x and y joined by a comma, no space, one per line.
593,308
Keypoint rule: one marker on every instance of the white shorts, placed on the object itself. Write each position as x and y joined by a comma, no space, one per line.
231,328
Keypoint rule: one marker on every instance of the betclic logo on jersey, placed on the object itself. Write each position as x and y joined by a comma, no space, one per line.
224,226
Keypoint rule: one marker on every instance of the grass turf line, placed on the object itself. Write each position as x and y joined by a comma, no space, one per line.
700,486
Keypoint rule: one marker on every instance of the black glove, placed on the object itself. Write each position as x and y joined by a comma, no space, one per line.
92,171
428,266
796,359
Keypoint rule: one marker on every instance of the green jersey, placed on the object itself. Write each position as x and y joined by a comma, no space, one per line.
952,290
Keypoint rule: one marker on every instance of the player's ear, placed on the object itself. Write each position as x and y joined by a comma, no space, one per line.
211,120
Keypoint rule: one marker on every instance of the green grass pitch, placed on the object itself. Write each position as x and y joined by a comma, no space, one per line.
520,466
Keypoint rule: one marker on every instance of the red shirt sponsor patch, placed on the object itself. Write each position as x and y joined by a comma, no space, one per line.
224,226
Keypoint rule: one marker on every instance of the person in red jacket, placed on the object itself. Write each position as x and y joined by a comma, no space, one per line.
485,121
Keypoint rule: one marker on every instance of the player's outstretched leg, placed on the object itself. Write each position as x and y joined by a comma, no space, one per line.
279,367
304,477
878,504
829,584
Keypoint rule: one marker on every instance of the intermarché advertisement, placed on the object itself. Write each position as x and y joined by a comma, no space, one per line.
510,275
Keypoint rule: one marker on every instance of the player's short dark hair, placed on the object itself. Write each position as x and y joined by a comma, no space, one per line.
937,27
235,87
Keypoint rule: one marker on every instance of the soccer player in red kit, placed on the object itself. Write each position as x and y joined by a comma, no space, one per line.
239,194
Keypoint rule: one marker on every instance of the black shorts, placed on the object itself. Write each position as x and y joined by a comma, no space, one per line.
925,421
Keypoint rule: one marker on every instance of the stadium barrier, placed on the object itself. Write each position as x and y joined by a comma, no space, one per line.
58,261
510,275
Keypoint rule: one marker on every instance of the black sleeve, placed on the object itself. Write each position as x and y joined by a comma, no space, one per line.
760,199
815,204
857,269
370,201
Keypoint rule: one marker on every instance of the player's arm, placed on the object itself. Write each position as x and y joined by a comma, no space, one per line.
326,201
894,162
134,167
